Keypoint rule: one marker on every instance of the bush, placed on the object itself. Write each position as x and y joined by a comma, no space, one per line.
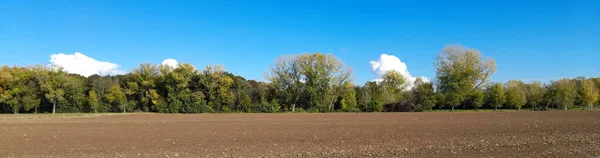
226,109
299,109
314,110
374,106
354,110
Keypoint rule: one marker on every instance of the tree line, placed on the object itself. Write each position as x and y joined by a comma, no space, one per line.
312,82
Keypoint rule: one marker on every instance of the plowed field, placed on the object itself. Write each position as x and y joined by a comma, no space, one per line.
441,134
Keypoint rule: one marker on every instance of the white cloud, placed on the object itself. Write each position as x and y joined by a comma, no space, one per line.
170,62
81,64
390,62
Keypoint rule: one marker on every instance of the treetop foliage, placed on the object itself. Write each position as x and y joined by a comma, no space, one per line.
312,82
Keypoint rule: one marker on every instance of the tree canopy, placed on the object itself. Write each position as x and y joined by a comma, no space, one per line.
312,82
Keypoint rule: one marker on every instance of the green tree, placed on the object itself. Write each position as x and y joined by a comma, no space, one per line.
563,93
53,85
324,75
477,98
116,98
348,99
75,97
516,94
20,90
287,80
393,86
535,94
362,97
495,95
93,101
147,96
100,84
589,93
198,104
313,79
424,95
460,71
176,87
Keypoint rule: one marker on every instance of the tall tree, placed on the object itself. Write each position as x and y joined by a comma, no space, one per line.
564,93
495,95
393,86
324,74
178,92
424,95
116,98
287,80
21,90
145,77
75,97
53,85
100,84
589,93
535,94
93,101
477,98
516,94
312,78
460,71
348,98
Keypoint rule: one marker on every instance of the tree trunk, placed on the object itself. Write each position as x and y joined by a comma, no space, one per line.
54,108
124,110
452,109
496,108
293,107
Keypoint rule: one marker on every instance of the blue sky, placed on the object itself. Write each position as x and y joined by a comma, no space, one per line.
530,40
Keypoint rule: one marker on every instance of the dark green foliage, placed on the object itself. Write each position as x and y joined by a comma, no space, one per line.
423,96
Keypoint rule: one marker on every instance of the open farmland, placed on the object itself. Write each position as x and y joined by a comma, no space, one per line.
443,134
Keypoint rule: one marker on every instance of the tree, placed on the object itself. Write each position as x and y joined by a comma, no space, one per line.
516,94
589,93
93,101
597,83
145,76
477,98
53,84
564,93
424,95
324,75
21,90
460,71
116,98
393,85
100,84
535,94
495,95
217,87
287,80
75,97
348,99
374,97
176,87
310,78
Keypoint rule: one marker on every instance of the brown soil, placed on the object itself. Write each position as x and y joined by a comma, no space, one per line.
485,134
